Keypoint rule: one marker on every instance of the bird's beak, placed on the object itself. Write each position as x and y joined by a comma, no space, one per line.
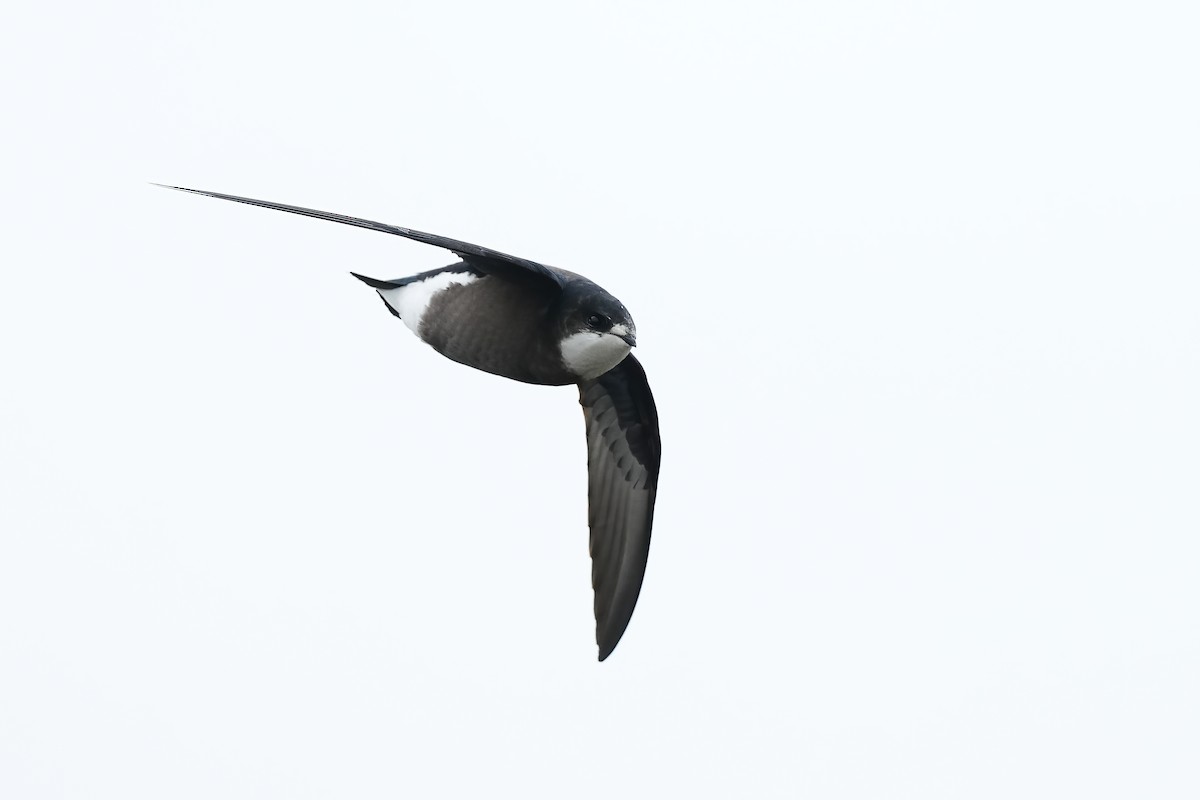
623,332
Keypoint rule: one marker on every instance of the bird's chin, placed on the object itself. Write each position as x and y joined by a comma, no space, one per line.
589,354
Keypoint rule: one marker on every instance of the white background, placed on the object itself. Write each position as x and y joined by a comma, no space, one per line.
916,288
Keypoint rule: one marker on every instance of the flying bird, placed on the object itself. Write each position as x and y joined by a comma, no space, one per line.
534,323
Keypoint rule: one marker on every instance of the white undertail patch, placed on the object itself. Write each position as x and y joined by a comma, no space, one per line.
412,299
589,354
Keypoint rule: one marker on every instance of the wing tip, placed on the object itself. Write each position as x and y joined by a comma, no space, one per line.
606,642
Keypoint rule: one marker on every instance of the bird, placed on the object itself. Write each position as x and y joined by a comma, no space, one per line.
538,324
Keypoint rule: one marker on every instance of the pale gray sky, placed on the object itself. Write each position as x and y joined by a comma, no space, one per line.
916,288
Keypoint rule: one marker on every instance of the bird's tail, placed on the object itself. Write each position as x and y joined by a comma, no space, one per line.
381,286
375,283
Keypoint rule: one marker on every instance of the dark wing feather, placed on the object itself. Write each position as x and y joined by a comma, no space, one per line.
484,258
623,458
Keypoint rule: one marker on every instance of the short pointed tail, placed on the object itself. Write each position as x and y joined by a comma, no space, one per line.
375,283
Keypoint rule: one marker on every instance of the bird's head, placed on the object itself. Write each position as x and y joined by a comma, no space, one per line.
596,331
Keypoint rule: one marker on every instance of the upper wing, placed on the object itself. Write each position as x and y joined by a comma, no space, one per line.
623,458
482,257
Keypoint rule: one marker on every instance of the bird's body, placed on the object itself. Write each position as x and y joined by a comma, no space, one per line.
538,324
502,326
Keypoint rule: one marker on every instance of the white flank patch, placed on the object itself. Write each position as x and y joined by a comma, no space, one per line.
411,300
589,354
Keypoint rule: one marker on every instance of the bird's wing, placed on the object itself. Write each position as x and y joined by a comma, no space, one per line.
484,258
623,458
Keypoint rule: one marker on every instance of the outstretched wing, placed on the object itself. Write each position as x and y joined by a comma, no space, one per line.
623,458
484,258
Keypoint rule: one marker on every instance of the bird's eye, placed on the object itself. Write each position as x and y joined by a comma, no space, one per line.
598,321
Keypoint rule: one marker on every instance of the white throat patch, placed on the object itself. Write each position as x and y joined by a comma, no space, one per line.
589,354
411,300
